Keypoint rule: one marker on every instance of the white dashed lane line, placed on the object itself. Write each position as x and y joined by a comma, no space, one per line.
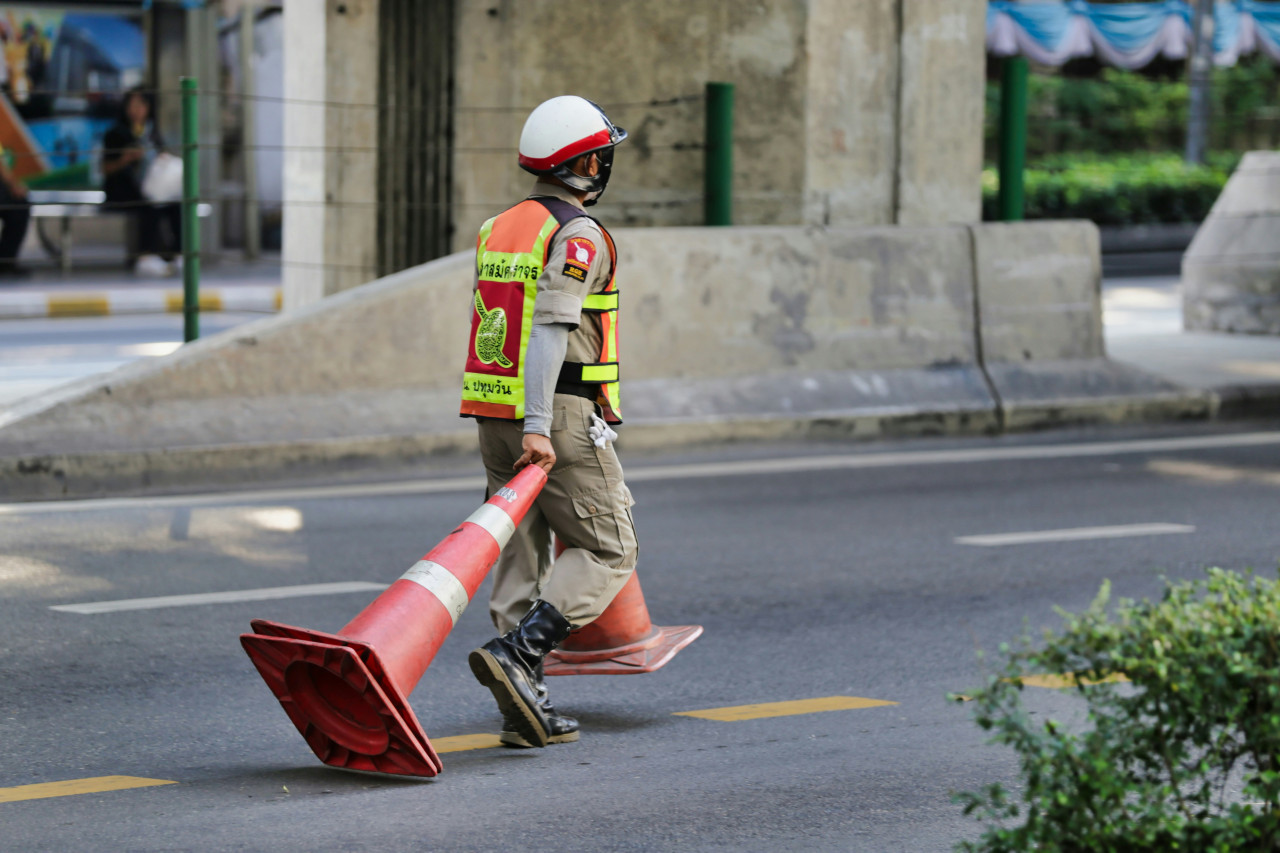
1074,534
265,594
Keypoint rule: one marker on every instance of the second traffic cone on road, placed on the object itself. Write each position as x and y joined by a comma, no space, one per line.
621,641
347,692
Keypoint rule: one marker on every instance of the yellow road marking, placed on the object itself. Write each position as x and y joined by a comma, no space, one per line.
1068,679
461,743
78,306
70,787
785,709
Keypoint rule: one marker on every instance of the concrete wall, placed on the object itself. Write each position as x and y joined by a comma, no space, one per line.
514,54
1231,271
866,113
846,113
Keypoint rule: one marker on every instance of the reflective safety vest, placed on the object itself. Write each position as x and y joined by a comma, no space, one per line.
511,253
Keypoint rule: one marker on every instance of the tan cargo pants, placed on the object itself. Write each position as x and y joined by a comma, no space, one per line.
585,503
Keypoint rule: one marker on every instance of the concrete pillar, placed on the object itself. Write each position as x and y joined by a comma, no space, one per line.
940,106
893,113
851,96
330,137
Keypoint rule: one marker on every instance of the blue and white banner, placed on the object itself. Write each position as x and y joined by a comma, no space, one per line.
1128,35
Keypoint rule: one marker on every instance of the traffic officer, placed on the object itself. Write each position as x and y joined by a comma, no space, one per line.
541,379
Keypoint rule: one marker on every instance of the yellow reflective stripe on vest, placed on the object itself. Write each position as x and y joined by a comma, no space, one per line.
607,301
602,373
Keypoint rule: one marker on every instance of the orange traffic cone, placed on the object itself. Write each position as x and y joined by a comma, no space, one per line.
622,641
346,692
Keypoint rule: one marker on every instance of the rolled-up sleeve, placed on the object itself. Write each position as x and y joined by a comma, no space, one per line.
565,282
557,306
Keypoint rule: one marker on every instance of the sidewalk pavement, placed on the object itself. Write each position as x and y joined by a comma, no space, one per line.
1142,320
98,290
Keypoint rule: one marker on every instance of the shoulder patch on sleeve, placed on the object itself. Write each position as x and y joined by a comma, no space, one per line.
579,253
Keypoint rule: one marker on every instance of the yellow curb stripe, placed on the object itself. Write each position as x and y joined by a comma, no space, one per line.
208,301
462,743
1068,679
78,305
71,787
785,709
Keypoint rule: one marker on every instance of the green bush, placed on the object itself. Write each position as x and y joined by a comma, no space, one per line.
1184,757
1126,190
1125,111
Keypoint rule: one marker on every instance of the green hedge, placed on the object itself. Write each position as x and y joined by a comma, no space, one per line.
1125,190
1183,754
1125,111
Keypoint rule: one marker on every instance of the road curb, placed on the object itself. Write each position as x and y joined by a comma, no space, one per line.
100,303
1242,402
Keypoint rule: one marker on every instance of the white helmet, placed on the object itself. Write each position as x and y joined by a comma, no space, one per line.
562,129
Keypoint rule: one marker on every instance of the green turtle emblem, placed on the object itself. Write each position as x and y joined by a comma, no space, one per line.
491,337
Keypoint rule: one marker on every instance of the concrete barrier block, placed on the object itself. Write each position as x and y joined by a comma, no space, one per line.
831,403
1231,271
741,301
1039,290
1039,306
1035,395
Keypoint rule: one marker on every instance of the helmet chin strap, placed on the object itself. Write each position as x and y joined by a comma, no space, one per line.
571,179
592,185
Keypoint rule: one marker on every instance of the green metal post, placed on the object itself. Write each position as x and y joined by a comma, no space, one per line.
718,170
1013,136
190,211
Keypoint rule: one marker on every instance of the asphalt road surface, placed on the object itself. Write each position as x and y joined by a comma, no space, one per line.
830,570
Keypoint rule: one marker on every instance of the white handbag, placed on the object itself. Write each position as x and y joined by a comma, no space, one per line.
163,181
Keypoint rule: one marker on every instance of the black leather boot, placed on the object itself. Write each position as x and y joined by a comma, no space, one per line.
506,666
562,729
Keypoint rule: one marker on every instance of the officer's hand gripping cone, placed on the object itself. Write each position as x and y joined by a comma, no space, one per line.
621,641
347,692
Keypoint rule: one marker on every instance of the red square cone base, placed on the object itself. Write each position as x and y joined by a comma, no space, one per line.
644,655
337,694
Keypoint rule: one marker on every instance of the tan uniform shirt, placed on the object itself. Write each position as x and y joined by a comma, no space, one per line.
560,295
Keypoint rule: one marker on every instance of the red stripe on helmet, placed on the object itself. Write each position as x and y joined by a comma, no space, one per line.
599,139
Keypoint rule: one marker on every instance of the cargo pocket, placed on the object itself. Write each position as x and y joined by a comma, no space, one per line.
605,525
568,439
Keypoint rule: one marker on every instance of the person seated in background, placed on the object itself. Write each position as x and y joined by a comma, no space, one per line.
128,150
15,214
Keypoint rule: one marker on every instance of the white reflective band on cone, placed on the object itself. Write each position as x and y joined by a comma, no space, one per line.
495,522
441,583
